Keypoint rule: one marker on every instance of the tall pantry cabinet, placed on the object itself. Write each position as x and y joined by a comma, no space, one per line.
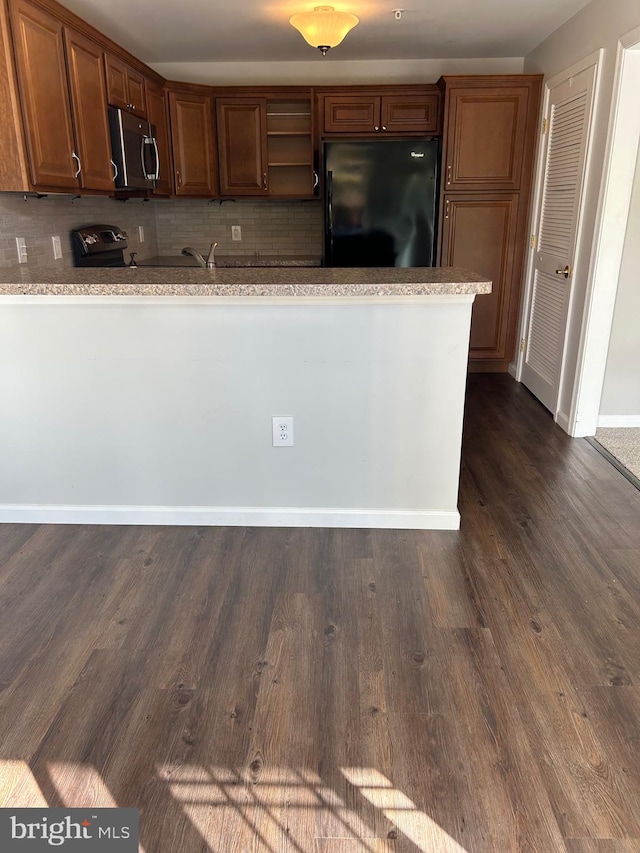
489,133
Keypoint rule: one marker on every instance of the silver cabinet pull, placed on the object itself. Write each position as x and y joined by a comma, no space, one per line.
384,126
178,182
264,180
446,209
376,127
449,174
115,171
316,179
77,159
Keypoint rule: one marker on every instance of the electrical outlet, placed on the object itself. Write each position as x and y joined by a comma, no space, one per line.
236,232
141,233
57,248
282,431
21,246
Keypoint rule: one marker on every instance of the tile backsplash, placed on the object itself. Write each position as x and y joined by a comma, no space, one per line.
268,228
39,219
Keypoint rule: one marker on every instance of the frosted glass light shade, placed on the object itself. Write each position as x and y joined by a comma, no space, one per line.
324,27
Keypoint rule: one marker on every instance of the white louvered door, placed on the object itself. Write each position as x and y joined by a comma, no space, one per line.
569,120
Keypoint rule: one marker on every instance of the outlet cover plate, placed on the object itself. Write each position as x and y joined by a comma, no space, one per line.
21,247
282,428
236,232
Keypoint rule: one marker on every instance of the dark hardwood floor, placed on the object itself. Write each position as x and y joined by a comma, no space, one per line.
336,691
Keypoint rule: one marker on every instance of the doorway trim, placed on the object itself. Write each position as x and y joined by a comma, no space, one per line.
612,214
592,60
623,139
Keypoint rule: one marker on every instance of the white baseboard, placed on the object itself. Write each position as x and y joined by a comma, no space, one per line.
628,421
513,369
563,421
232,516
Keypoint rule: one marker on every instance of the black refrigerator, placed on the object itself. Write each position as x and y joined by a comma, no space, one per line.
381,202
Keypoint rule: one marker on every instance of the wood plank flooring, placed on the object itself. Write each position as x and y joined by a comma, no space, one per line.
336,691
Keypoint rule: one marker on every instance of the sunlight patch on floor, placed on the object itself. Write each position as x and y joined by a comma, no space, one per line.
400,810
18,786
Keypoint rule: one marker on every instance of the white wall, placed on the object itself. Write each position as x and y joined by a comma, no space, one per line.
598,25
137,404
621,392
331,72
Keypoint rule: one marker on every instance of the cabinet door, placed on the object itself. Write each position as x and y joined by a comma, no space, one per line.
478,233
42,79
157,113
351,114
89,104
125,87
410,113
485,137
193,149
116,75
136,92
242,146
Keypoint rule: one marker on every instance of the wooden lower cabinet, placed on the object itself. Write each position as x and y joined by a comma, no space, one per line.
193,144
479,233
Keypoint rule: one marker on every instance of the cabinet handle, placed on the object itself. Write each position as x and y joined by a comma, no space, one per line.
77,159
384,126
115,171
316,179
446,209
264,180
376,128
178,181
449,174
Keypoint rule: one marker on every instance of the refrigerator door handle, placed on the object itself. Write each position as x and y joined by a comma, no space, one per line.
329,228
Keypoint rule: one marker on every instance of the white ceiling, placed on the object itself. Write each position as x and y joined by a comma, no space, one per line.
259,30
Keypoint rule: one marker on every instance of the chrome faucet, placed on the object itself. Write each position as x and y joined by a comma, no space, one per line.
209,263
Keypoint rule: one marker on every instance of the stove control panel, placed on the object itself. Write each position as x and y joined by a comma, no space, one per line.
96,240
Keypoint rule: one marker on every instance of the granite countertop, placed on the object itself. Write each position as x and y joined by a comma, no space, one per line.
226,261
253,282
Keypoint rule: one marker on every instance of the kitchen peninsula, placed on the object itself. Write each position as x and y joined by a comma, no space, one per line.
146,396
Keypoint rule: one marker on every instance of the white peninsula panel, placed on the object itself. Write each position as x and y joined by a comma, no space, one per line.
152,409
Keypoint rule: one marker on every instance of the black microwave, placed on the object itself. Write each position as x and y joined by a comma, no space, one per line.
134,150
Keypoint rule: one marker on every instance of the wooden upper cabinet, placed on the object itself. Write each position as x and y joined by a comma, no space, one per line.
157,114
125,86
366,112
478,233
351,114
410,113
242,146
42,79
193,144
485,137
89,106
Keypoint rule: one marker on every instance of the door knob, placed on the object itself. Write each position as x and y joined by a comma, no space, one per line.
565,272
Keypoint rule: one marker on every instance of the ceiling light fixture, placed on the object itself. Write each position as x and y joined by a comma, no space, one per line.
324,27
